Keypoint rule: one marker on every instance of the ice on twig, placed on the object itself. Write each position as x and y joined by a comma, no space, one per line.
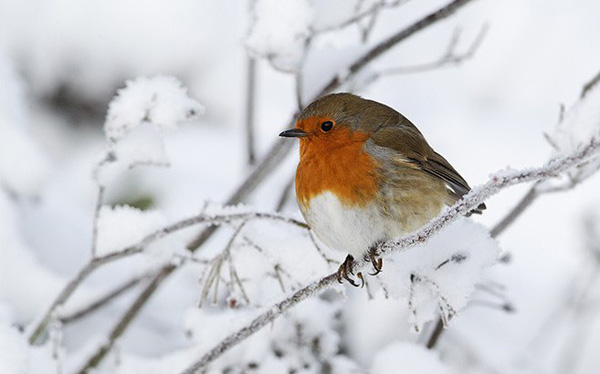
137,120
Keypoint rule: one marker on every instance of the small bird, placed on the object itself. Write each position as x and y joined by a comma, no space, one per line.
367,175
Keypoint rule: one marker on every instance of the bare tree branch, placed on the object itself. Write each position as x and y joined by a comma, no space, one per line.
393,40
124,322
104,299
477,196
450,57
98,206
515,212
286,193
360,15
250,106
589,85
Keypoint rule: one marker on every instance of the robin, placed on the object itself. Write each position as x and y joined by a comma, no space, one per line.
367,175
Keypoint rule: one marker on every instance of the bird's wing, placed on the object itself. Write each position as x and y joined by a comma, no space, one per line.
407,140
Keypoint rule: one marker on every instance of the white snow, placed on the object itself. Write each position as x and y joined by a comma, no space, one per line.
160,101
580,123
23,166
122,226
280,30
402,357
26,284
137,120
444,270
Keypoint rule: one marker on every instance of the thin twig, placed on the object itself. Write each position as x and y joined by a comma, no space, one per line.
104,299
589,85
515,212
450,57
123,323
277,268
327,259
250,106
97,262
393,40
215,273
99,202
358,16
286,193
477,196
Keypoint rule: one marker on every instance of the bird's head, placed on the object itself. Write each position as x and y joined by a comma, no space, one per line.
337,120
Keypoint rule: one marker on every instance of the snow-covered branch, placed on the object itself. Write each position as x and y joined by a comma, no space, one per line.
497,182
97,262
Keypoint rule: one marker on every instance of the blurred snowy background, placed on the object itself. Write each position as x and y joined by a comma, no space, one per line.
62,62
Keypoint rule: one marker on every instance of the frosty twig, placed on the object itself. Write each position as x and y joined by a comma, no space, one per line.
99,261
393,40
497,182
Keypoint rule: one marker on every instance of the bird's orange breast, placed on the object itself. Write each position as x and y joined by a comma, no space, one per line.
338,164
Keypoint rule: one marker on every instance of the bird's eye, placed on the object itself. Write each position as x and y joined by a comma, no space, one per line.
326,126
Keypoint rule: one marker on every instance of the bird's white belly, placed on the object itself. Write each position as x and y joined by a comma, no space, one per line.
349,229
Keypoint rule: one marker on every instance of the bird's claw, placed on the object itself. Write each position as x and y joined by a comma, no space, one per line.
346,269
376,261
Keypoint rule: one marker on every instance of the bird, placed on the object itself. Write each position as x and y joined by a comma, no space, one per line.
367,175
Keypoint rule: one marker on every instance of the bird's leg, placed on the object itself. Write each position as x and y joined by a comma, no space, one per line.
345,269
376,261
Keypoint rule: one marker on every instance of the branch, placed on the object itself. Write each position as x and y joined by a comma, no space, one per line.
103,300
477,196
250,106
390,42
450,57
99,202
589,85
97,262
372,11
515,212
124,323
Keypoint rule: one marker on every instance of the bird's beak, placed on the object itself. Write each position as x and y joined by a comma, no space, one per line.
294,133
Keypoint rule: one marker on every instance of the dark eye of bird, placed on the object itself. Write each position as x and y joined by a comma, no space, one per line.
326,126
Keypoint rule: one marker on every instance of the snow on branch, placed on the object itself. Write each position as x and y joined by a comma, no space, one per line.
138,118
497,182
112,255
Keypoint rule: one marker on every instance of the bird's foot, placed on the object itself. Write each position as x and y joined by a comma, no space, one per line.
346,269
376,261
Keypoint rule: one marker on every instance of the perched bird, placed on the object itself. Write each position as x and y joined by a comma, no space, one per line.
367,175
